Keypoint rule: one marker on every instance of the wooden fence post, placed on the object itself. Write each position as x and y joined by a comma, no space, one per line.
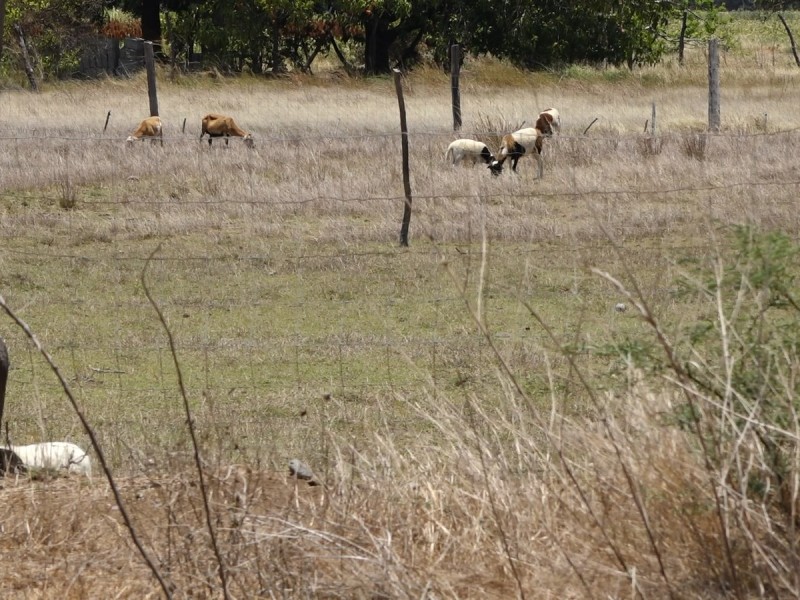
455,72
398,86
653,121
150,64
4,365
713,86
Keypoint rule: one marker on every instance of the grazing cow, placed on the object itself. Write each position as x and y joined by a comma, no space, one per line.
216,125
149,128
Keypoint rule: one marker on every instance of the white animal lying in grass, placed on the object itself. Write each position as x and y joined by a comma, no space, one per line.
53,455
468,151
47,455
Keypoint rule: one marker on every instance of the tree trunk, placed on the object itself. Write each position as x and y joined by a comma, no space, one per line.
173,49
277,59
376,48
26,58
214,50
682,38
791,40
411,54
151,23
257,63
347,66
306,68
2,24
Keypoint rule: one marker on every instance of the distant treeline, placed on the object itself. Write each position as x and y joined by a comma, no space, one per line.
62,38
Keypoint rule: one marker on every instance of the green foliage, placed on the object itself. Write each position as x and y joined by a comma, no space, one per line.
549,33
532,34
255,35
742,355
248,34
55,30
628,350
704,20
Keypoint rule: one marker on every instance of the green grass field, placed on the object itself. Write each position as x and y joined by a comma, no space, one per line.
420,381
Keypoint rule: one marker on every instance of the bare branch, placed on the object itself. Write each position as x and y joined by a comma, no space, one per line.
95,444
192,431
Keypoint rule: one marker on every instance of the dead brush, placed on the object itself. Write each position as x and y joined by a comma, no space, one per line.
583,151
650,145
67,196
694,145
490,130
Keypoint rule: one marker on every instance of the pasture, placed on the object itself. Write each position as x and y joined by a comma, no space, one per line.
419,382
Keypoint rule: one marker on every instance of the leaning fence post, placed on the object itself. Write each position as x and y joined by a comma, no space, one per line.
455,71
398,86
713,86
653,121
150,64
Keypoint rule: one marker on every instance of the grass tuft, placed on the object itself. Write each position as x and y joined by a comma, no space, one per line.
694,146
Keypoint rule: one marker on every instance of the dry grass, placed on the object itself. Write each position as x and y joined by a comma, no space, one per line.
557,503
303,330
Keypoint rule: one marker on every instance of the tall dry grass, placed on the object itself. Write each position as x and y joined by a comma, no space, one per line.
321,162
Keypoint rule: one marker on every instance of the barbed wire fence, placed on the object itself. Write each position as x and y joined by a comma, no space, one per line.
391,200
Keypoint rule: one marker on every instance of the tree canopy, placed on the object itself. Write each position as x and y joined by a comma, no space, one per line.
372,35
